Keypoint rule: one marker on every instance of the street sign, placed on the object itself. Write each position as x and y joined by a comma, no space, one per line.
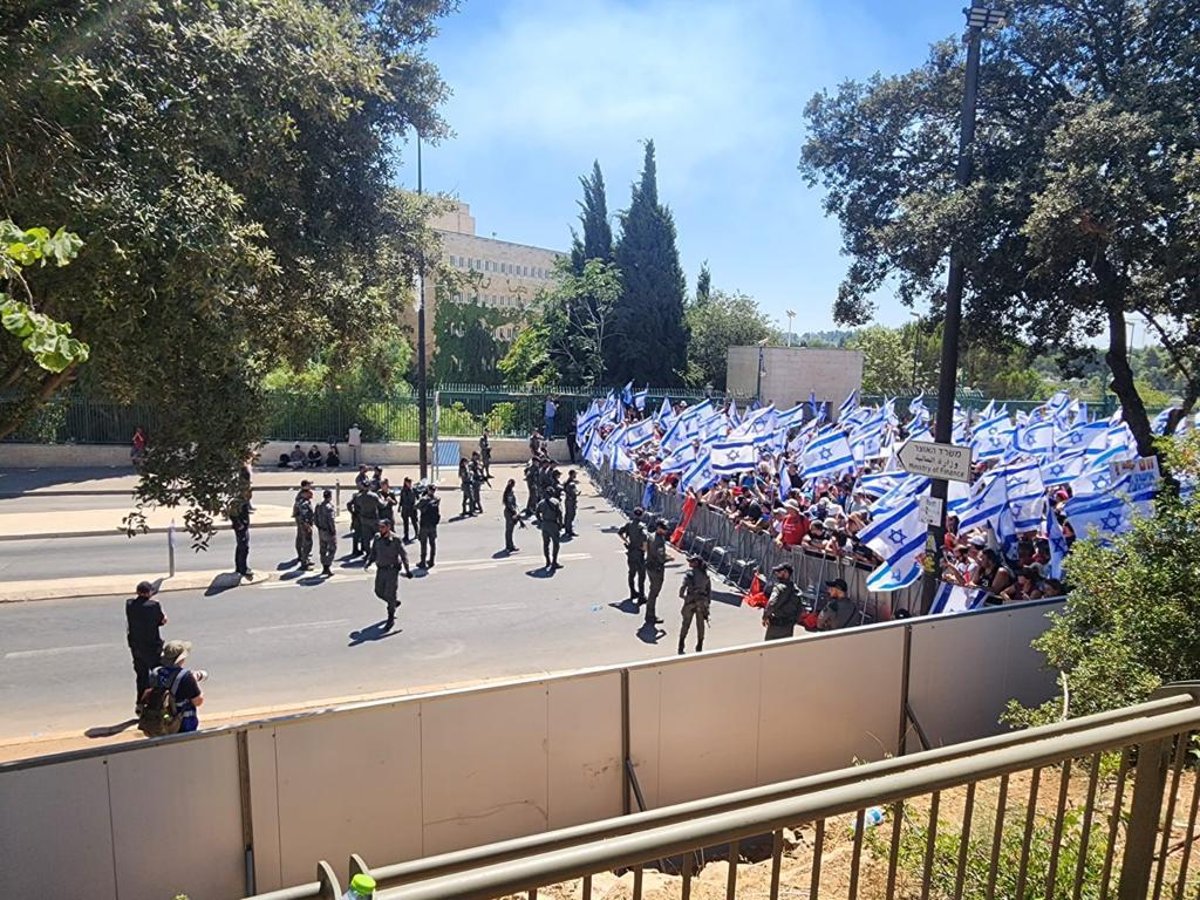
947,461
931,511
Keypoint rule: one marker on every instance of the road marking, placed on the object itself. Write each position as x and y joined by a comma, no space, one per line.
57,651
454,565
324,624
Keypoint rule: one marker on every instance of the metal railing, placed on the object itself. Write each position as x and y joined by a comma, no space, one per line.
1019,822
736,553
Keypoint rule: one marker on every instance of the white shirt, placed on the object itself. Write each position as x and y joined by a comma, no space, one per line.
355,437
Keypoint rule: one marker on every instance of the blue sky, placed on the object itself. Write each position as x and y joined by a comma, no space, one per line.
543,87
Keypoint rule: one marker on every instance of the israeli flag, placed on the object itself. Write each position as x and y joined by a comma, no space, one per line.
732,457
1095,481
828,454
1089,437
867,441
1026,495
993,437
640,434
954,598
760,428
675,437
713,429
908,486
614,440
1102,516
681,460
732,413
1058,544
918,412
622,461
791,418
591,448
1063,468
895,576
699,476
989,498
785,481
890,533
639,399
1036,437
848,405
877,484
627,394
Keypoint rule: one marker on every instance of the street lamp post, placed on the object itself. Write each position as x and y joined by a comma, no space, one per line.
979,18
762,370
422,387
791,314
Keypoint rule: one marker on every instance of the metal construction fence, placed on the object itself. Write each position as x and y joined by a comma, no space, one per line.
737,553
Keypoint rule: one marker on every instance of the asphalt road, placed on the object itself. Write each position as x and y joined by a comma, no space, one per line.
478,614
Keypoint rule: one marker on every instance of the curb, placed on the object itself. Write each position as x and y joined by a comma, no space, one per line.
118,532
166,586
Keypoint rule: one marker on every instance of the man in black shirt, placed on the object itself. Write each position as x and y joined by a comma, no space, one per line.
408,508
429,514
143,618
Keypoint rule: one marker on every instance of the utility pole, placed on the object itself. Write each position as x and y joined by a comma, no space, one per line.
422,387
979,18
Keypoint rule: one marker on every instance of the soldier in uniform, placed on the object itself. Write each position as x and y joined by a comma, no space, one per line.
464,480
783,609
512,515
429,514
550,520
387,503
485,451
368,519
362,479
408,508
696,593
532,471
239,520
656,568
325,518
387,550
356,546
475,468
302,512
570,502
634,536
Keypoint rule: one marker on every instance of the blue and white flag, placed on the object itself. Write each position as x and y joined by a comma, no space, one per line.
891,533
648,495
828,454
640,434
1058,544
792,418
732,457
785,481
1064,468
989,498
993,437
759,427
731,413
681,460
1102,516
877,484
1036,437
627,394
614,440
848,405
895,576
954,598
621,461
591,448
699,476
1026,495
1089,437
639,400
713,429
907,487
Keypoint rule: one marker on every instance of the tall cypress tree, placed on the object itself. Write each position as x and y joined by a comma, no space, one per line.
597,241
649,335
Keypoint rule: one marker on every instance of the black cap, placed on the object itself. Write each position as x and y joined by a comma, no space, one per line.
839,583
782,566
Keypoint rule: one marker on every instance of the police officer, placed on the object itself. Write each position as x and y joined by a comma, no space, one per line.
324,518
368,518
512,515
143,618
429,514
783,609
362,479
302,512
356,546
485,453
239,520
696,592
634,536
656,568
387,551
550,521
387,503
570,502
475,468
464,480
408,508
532,471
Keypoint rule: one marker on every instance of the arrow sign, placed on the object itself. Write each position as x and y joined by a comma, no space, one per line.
946,461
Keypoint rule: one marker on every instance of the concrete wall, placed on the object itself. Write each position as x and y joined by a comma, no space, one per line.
39,456
792,373
405,778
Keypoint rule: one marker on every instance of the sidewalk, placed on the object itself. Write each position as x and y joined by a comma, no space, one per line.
211,580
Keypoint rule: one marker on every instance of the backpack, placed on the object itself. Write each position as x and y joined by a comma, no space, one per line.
160,714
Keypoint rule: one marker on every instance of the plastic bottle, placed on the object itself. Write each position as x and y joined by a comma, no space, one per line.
873,817
362,887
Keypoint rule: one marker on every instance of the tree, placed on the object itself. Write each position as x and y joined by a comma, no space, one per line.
227,165
597,241
717,323
650,336
468,349
528,359
1087,172
703,284
578,317
1132,620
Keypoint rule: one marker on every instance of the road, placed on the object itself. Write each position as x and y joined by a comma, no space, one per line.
478,614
